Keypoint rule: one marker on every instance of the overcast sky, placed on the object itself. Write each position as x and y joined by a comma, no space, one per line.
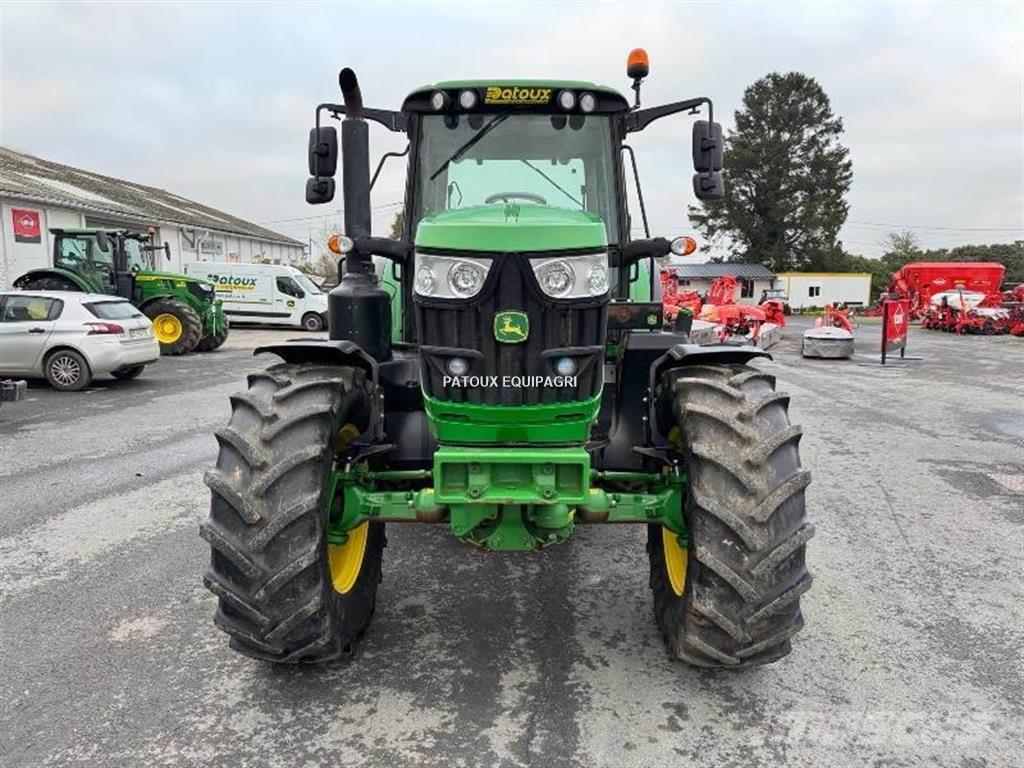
214,101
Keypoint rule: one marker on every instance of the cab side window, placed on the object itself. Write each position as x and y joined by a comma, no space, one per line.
28,309
290,287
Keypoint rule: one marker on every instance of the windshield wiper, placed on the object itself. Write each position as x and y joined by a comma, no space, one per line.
493,123
551,181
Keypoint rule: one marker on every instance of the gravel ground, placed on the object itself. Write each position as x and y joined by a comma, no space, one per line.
912,654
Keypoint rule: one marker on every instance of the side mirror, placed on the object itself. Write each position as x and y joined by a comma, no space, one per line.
323,151
300,294
167,251
103,242
708,186
319,191
707,146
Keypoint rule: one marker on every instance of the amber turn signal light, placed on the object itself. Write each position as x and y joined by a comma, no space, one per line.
683,246
339,244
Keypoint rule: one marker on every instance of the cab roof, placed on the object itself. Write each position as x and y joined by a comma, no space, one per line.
576,85
529,94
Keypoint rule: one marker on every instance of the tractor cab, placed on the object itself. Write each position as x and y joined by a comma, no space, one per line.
515,207
106,257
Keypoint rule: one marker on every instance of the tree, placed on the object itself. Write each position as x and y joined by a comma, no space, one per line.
786,177
902,243
323,261
398,224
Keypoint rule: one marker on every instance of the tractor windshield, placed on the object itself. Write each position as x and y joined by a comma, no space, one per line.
135,258
556,160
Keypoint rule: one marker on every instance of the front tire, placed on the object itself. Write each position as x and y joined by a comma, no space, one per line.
311,321
739,602
176,326
285,594
67,371
214,340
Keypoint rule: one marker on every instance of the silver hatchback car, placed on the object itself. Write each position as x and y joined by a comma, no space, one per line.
70,337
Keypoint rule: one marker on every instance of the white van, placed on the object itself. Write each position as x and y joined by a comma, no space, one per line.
265,293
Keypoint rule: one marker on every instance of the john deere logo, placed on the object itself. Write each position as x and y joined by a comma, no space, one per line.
511,327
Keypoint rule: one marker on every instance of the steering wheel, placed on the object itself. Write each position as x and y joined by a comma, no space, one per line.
531,196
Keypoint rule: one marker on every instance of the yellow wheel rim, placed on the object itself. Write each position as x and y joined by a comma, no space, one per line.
167,328
346,435
346,560
675,560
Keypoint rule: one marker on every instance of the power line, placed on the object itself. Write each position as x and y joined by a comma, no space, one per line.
942,229
339,212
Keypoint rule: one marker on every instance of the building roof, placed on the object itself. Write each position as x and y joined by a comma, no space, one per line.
739,269
41,181
824,274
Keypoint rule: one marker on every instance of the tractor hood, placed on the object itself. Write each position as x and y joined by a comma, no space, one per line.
148,274
511,227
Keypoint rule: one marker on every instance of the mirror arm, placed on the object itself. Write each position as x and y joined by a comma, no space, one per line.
641,118
393,250
396,122
634,251
383,159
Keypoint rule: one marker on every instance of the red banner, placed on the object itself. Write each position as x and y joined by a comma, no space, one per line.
26,226
895,323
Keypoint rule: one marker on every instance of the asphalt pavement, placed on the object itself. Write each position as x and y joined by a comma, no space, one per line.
911,655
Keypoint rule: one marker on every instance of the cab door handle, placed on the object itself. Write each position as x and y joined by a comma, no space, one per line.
37,330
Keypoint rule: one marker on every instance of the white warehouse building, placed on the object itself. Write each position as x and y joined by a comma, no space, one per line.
816,289
37,195
804,290
752,280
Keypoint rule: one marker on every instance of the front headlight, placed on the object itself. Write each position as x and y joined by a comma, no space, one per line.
556,278
573,277
449,277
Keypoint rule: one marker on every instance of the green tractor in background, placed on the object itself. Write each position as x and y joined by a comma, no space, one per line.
186,314
526,387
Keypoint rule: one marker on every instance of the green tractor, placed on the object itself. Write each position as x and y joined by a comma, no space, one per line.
186,314
526,387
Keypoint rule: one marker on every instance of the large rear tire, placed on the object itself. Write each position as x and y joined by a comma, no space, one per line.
285,594
176,326
733,600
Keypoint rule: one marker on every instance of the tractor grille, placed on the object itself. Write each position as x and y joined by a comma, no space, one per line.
465,328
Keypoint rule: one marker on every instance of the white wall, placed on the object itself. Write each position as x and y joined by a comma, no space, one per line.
233,249
18,258
833,287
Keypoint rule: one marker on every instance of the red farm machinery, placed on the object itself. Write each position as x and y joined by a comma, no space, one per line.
732,321
960,297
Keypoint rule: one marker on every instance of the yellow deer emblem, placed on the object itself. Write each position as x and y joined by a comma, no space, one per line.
511,327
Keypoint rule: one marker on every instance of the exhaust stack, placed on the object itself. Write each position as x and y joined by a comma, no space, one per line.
355,167
358,309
